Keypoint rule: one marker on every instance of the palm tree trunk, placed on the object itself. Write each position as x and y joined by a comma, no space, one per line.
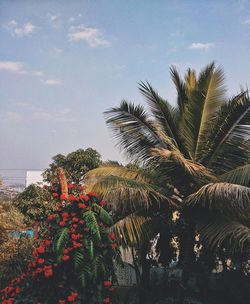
145,277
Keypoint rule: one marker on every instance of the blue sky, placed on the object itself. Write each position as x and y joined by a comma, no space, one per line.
62,63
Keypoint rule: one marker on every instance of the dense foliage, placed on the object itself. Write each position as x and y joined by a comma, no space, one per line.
34,203
74,261
75,164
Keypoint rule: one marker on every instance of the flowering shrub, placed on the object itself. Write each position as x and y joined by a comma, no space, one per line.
74,261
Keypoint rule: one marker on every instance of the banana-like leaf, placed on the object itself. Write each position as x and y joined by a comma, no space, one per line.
240,176
221,232
228,199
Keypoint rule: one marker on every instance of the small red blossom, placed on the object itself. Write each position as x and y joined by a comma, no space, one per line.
81,206
106,300
48,273
41,249
51,217
62,223
112,236
107,283
63,197
65,214
18,290
84,197
65,258
71,186
72,198
55,194
113,246
75,219
40,261
61,302
103,203
93,194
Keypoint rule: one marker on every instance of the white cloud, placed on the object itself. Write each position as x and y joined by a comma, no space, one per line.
19,68
20,31
13,66
247,21
201,46
52,82
92,36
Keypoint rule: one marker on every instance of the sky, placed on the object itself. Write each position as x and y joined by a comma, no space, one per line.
63,63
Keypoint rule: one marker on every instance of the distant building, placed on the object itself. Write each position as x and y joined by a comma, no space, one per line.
34,177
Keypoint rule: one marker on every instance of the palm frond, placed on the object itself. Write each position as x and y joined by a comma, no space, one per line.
128,195
182,98
165,115
132,129
190,82
240,176
201,108
232,120
221,232
92,224
62,240
133,230
117,170
227,199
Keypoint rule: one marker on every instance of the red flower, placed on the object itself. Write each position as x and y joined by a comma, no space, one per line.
41,249
18,290
65,214
113,246
81,187
93,194
66,251
48,273
51,217
70,186
72,198
47,242
84,197
106,300
81,206
112,236
63,197
40,261
55,194
61,302
65,258
62,223
75,219
107,283
103,203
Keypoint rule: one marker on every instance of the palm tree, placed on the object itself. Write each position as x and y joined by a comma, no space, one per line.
200,147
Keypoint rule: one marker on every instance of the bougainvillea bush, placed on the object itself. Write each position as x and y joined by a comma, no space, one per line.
74,261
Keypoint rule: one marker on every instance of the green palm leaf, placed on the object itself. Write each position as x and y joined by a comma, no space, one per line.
240,176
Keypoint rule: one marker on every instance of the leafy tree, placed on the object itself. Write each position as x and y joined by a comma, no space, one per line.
75,165
34,203
200,146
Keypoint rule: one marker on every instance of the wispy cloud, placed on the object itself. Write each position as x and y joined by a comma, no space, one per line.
54,20
11,116
247,21
63,115
201,46
58,50
27,29
52,82
19,68
92,36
